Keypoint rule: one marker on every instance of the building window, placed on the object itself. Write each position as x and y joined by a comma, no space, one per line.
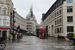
59,11
27,28
55,22
60,29
69,9
0,10
60,20
4,22
55,14
4,1
60,2
55,30
56,5
70,19
4,11
69,1
70,29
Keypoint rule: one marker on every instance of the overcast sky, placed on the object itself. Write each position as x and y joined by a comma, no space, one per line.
39,7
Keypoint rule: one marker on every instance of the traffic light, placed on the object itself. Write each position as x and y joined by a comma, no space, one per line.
11,25
18,27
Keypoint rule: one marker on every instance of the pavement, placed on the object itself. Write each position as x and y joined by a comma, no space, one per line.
35,43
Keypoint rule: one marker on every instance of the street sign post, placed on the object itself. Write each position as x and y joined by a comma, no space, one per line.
11,29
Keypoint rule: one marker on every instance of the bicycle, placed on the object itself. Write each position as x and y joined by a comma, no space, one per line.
2,44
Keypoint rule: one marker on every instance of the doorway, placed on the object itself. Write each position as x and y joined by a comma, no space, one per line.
4,34
52,30
0,33
49,31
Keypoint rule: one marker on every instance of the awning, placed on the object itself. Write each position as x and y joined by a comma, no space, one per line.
4,29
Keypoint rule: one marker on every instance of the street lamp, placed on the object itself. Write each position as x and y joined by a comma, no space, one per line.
10,21
13,23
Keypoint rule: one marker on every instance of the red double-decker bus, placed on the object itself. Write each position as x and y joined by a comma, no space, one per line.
42,32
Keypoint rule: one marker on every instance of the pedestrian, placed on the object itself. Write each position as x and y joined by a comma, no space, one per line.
18,36
47,35
73,38
10,36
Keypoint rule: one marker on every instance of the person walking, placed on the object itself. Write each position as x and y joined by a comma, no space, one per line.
73,38
47,35
10,36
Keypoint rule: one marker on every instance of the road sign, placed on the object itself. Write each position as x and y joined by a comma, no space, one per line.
11,29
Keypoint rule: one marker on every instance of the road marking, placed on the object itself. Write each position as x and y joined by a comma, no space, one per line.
19,47
22,43
46,45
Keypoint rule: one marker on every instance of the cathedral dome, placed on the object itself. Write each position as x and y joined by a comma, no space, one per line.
30,15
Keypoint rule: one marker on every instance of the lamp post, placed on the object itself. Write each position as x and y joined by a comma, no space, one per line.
13,24
10,21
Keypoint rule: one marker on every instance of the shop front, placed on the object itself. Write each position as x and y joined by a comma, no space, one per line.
4,32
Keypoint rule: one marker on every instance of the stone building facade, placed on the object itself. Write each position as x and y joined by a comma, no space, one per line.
6,7
59,19
19,20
